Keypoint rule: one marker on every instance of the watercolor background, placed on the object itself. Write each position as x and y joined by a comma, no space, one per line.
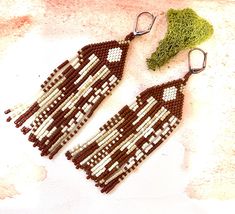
193,172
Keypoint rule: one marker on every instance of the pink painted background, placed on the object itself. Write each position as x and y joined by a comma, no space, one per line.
193,172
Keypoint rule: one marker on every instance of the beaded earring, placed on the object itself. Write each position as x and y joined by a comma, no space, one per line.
72,92
133,133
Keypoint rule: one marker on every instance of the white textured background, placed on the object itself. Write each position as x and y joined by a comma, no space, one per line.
192,172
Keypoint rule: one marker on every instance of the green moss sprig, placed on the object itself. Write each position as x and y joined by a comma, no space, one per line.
185,30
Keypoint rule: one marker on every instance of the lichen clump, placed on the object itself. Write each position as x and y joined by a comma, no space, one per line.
185,30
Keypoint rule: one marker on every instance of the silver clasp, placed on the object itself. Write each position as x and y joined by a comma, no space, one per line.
197,70
141,32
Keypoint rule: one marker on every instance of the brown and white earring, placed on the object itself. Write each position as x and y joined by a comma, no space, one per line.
133,133
72,92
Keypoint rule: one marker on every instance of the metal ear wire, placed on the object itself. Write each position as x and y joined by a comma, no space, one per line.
139,33
197,70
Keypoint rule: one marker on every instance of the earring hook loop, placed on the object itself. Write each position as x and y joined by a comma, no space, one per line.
136,32
197,70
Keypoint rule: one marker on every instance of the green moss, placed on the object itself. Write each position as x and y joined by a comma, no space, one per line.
185,30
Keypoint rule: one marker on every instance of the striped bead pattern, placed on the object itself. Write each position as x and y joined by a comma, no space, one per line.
70,95
125,140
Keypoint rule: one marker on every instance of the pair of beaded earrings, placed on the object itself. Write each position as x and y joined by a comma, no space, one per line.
75,89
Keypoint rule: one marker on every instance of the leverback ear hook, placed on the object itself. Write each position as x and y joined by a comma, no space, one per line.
141,32
197,70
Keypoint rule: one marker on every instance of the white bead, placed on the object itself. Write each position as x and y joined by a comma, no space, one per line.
114,54
169,93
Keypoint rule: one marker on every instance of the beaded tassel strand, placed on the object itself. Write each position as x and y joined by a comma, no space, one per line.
72,92
132,134
125,140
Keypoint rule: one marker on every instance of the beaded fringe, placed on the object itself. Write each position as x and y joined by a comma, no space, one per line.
131,135
71,94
